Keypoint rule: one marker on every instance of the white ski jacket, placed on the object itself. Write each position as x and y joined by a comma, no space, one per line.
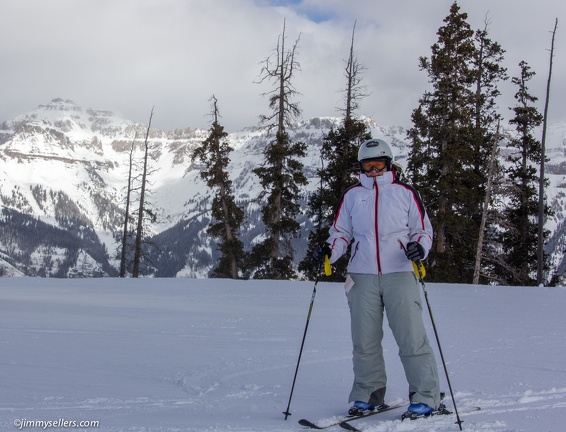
381,214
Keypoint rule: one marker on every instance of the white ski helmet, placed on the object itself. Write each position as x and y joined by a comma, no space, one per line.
373,149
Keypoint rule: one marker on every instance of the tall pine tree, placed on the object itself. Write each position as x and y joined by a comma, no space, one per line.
521,239
227,216
450,143
281,175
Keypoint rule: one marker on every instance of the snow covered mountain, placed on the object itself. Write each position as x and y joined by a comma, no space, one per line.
63,183
63,176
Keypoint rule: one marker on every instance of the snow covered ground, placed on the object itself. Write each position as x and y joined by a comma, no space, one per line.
216,355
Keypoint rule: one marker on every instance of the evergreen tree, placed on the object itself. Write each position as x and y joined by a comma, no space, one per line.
227,216
339,170
445,149
282,175
521,239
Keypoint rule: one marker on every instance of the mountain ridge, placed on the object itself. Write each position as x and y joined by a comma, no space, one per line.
66,166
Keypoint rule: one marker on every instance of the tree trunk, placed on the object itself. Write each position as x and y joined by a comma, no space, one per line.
490,174
127,214
540,249
139,230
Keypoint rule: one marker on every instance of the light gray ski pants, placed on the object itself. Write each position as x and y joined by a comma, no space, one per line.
399,295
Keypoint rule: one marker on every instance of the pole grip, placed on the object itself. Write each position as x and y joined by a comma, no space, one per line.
327,267
419,269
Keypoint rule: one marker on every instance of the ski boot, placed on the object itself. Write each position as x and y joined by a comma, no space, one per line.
420,410
361,408
417,410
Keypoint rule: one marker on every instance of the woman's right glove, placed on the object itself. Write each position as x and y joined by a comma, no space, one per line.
320,252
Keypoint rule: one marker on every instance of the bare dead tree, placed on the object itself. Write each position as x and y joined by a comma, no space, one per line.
490,175
353,73
127,211
540,248
284,110
141,210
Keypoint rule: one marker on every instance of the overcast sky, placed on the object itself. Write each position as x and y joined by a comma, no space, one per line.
129,55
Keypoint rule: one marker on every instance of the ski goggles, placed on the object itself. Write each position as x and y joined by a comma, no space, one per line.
369,165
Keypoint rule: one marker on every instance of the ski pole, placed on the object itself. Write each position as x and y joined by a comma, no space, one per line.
421,272
328,272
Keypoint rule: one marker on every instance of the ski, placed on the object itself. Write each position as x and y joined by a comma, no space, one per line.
344,421
442,410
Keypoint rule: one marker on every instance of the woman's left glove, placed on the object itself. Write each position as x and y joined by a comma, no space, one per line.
414,251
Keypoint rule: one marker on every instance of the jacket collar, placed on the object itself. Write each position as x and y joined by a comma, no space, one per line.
384,180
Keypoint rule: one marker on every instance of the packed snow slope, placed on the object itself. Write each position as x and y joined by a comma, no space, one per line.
189,355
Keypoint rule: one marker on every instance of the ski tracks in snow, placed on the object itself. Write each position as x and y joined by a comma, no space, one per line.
515,412
521,410
251,379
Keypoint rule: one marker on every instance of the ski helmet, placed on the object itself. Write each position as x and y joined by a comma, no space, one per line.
374,149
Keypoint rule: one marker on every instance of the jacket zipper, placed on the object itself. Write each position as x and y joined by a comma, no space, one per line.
377,257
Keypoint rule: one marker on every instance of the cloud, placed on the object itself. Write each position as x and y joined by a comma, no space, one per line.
130,55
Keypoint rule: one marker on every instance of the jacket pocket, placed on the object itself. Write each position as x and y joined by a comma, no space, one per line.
355,251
